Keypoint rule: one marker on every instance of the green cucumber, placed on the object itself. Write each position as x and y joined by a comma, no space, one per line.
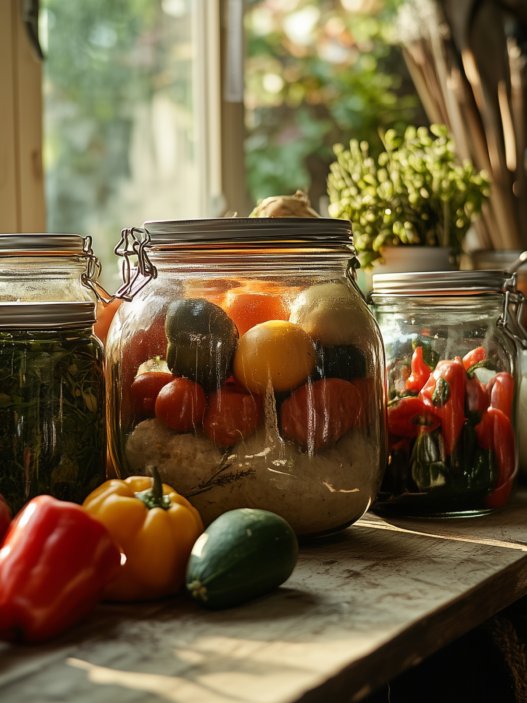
243,554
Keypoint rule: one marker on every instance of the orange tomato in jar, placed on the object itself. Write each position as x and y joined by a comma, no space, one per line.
232,415
181,405
105,315
275,353
247,310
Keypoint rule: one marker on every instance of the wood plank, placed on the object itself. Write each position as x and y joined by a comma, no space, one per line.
504,528
8,175
356,611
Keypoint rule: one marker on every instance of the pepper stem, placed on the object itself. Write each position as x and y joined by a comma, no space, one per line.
153,497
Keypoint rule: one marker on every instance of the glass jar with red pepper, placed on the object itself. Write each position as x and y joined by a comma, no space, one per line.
452,380
249,369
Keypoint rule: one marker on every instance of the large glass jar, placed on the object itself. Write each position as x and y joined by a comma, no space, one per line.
452,377
52,411
40,267
250,371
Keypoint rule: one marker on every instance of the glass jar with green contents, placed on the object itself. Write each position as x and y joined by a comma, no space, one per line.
52,423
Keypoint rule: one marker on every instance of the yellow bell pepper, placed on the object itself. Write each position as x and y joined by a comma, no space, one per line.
155,529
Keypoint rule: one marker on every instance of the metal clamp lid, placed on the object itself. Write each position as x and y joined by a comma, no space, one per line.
47,315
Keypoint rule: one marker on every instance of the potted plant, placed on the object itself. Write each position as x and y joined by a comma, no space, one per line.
416,195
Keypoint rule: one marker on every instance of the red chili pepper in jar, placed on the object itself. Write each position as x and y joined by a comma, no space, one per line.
420,371
477,400
495,432
444,395
5,516
500,390
408,417
474,357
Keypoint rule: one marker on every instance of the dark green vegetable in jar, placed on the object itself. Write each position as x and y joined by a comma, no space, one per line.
202,340
52,431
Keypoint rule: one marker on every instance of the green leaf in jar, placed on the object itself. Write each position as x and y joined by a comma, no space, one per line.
441,393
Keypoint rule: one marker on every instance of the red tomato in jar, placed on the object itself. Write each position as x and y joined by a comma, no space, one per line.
181,405
318,414
232,415
143,345
145,389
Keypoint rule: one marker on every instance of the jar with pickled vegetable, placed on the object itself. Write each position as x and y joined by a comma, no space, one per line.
452,370
52,419
250,370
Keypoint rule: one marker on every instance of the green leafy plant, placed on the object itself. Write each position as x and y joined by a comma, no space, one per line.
416,192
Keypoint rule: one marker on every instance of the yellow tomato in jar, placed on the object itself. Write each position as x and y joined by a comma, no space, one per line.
278,353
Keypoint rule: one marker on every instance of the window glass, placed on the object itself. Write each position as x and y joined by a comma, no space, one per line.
120,130
320,72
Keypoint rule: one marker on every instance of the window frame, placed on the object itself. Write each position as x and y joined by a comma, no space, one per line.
22,202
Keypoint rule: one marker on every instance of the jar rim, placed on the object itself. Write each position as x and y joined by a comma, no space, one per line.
46,315
39,244
439,283
280,230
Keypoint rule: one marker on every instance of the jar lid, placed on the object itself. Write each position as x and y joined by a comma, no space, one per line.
36,316
440,283
39,244
301,229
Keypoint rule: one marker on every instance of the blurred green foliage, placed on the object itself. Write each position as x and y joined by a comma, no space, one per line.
318,73
415,193
104,61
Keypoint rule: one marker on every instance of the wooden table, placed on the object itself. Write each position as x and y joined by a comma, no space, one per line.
357,611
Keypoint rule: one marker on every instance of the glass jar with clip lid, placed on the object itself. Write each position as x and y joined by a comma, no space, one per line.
249,369
453,376
48,267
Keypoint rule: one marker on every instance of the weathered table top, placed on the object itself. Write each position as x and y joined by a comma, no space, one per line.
357,611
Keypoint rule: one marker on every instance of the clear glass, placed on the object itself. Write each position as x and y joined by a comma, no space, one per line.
295,416
52,414
43,278
452,424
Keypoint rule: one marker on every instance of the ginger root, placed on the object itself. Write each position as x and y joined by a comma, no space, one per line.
296,205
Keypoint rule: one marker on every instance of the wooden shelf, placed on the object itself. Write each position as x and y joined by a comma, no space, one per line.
358,610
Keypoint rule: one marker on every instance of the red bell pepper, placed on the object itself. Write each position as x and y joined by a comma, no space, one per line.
5,516
474,357
420,371
500,390
55,561
477,400
444,396
495,432
409,417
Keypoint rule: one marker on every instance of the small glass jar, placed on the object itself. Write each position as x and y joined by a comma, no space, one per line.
52,402
250,370
47,267
452,378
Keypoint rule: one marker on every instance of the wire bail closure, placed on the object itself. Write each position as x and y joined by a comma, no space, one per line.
135,277
513,303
